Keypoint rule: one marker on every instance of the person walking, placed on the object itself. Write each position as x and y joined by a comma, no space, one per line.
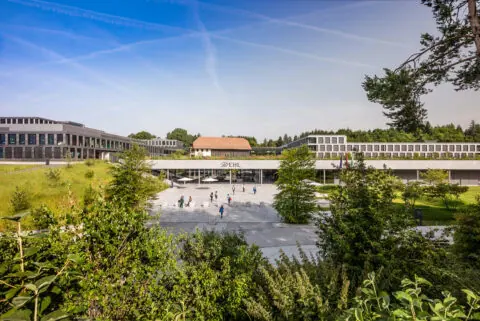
233,190
182,201
211,197
216,196
189,201
254,190
221,211
229,200
243,187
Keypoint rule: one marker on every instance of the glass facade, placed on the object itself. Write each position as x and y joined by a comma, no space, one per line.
32,139
21,139
51,139
41,139
12,139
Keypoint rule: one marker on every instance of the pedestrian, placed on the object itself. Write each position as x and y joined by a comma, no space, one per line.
189,201
182,200
216,196
243,187
229,199
254,190
233,189
221,211
211,197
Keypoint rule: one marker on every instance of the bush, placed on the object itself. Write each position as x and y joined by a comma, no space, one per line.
20,200
467,233
89,174
89,196
90,162
43,217
53,175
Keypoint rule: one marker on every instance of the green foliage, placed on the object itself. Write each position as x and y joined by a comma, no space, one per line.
89,174
399,95
131,183
411,193
467,234
434,176
90,162
364,228
53,176
410,304
20,199
142,135
183,136
43,217
295,201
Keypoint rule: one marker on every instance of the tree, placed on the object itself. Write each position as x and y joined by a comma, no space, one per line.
434,176
183,136
364,230
411,193
452,57
142,135
295,201
400,97
472,133
279,141
131,182
467,233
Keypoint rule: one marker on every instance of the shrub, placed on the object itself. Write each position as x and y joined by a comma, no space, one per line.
43,217
90,162
53,175
20,200
467,233
89,174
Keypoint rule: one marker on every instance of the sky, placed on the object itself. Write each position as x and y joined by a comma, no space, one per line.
241,67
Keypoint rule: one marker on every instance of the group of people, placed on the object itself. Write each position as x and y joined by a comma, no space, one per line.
181,201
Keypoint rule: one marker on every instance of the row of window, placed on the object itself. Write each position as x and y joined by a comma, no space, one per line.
49,139
327,140
398,148
162,143
25,121
427,155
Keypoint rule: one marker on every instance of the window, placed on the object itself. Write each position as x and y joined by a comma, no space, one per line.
404,148
41,139
51,139
21,139
341,140
327,140
334,140
20,120
438,148
12,139
417,148
2,121
369,148
32,139
397,148
41,121
59,138
2,139
320,140
36,120
322,148
14,121
74,140
9,121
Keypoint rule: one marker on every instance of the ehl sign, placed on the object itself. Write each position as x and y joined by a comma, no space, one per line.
230,165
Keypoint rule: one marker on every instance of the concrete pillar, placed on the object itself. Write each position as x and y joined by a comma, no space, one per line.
198,176
230,177
261,176
449,176
168,174
418,175
324,177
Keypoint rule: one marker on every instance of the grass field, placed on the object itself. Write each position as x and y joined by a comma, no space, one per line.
434,212
42,191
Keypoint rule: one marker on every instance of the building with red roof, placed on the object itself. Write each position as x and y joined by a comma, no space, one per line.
221,146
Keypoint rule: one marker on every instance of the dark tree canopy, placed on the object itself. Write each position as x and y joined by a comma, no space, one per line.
452,56
142,135
183,136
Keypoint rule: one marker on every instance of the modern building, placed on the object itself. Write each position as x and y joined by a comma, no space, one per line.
463,172
160,146
331,146
221,146
36,138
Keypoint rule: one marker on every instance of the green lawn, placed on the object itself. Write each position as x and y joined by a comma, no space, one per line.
434,212
42,191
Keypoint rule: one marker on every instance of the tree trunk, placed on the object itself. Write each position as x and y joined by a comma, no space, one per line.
475,23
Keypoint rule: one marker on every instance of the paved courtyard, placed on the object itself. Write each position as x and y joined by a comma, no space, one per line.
250,214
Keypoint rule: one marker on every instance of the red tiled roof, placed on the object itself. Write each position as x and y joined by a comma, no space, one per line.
231,143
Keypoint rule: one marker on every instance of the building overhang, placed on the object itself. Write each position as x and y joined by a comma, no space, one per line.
319,164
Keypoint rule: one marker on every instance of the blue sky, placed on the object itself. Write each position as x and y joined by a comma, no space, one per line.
261,68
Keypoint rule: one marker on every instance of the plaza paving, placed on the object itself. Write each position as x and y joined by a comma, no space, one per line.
252,215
